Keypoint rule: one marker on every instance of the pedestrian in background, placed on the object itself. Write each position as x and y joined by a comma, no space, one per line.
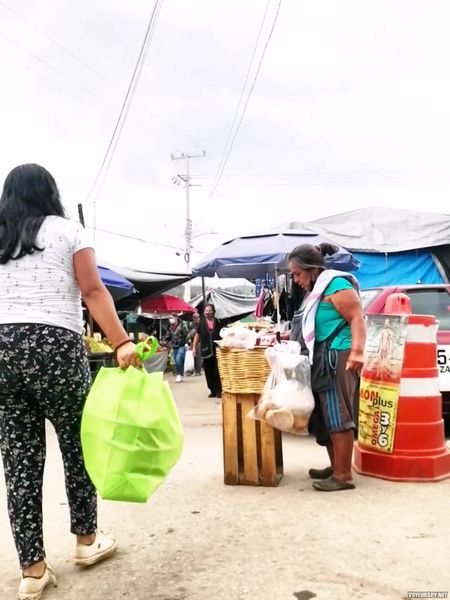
46,266
176,339
197,354
208,331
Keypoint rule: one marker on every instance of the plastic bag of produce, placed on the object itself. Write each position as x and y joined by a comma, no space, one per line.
287,400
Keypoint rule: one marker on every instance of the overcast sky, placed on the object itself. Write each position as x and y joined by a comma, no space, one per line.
350,109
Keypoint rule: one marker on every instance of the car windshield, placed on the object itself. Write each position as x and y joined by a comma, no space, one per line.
432,302
367,296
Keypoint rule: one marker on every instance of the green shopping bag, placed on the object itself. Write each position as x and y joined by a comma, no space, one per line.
131,433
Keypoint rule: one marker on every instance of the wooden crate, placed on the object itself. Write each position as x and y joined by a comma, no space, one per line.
252,451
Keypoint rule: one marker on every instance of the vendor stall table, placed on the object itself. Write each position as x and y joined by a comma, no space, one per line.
252,450
157,362
100,359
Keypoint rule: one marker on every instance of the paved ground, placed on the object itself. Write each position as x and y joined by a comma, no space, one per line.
197,539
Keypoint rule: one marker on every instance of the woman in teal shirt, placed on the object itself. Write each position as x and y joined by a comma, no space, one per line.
331,310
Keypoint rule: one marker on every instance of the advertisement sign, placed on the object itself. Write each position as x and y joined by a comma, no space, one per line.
380,381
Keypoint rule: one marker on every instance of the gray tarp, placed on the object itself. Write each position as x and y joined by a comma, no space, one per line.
377,229
147,283
227,305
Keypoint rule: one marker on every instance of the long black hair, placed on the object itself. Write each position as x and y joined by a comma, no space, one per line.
29,195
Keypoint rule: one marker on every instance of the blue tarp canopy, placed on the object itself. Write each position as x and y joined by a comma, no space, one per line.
118,286
257,255
397,268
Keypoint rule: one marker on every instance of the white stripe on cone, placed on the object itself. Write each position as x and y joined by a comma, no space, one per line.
416,387
422,334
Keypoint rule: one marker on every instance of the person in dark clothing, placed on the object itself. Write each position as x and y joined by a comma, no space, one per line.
176,338
208,331
191,338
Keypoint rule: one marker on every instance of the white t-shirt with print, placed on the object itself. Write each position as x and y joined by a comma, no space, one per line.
41,287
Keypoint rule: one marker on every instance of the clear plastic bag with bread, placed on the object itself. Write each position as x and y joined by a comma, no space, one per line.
287,400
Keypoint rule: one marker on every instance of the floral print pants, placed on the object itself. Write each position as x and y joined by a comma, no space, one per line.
44,374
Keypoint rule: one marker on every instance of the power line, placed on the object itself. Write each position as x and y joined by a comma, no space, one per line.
87,66
136,239
356,174
56,43
51,83
106,162
47,64
75,83
222,168
244,86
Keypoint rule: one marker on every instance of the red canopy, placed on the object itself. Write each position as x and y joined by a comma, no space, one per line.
166,303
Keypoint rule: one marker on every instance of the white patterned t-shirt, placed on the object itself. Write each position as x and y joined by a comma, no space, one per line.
41,287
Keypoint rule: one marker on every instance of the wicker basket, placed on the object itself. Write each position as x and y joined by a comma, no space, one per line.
242,371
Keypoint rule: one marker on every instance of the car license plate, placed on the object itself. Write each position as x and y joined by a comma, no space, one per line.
444,368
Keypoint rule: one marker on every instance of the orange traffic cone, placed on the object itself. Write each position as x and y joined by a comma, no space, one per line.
419,452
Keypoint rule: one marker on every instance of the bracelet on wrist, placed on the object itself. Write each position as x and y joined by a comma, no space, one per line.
122,344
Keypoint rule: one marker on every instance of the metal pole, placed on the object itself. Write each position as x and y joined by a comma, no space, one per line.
203,292
188,229
81,214
188,232
278,300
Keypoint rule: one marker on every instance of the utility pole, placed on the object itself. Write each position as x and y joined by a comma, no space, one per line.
186,178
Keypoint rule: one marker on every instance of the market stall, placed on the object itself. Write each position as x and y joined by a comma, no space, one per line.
252,449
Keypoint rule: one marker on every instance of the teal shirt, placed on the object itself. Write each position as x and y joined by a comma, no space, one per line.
328,318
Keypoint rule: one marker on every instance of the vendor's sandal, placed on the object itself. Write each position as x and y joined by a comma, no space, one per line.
32,588
332,485
102,547
320,473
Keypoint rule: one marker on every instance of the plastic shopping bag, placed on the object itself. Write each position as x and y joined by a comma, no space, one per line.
287,400
131,433
189,362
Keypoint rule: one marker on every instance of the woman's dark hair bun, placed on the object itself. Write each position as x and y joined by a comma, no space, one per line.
327,249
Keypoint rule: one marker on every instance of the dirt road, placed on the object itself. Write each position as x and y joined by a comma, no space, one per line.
197,539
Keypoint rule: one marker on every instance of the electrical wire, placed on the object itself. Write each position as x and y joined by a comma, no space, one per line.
47,64
224,163
136,239
56,43
49,81
73,82
87,66
106,162
244,87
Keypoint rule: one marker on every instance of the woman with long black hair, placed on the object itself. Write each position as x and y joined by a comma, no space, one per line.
46,267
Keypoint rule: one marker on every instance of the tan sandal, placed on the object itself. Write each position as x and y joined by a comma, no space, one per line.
32,588
102,547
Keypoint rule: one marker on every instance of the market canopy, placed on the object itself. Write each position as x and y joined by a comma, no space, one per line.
165,304
265,253
395,246
147,283
118,286
377,229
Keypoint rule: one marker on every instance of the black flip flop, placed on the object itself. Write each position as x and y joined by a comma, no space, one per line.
320,473
332,485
